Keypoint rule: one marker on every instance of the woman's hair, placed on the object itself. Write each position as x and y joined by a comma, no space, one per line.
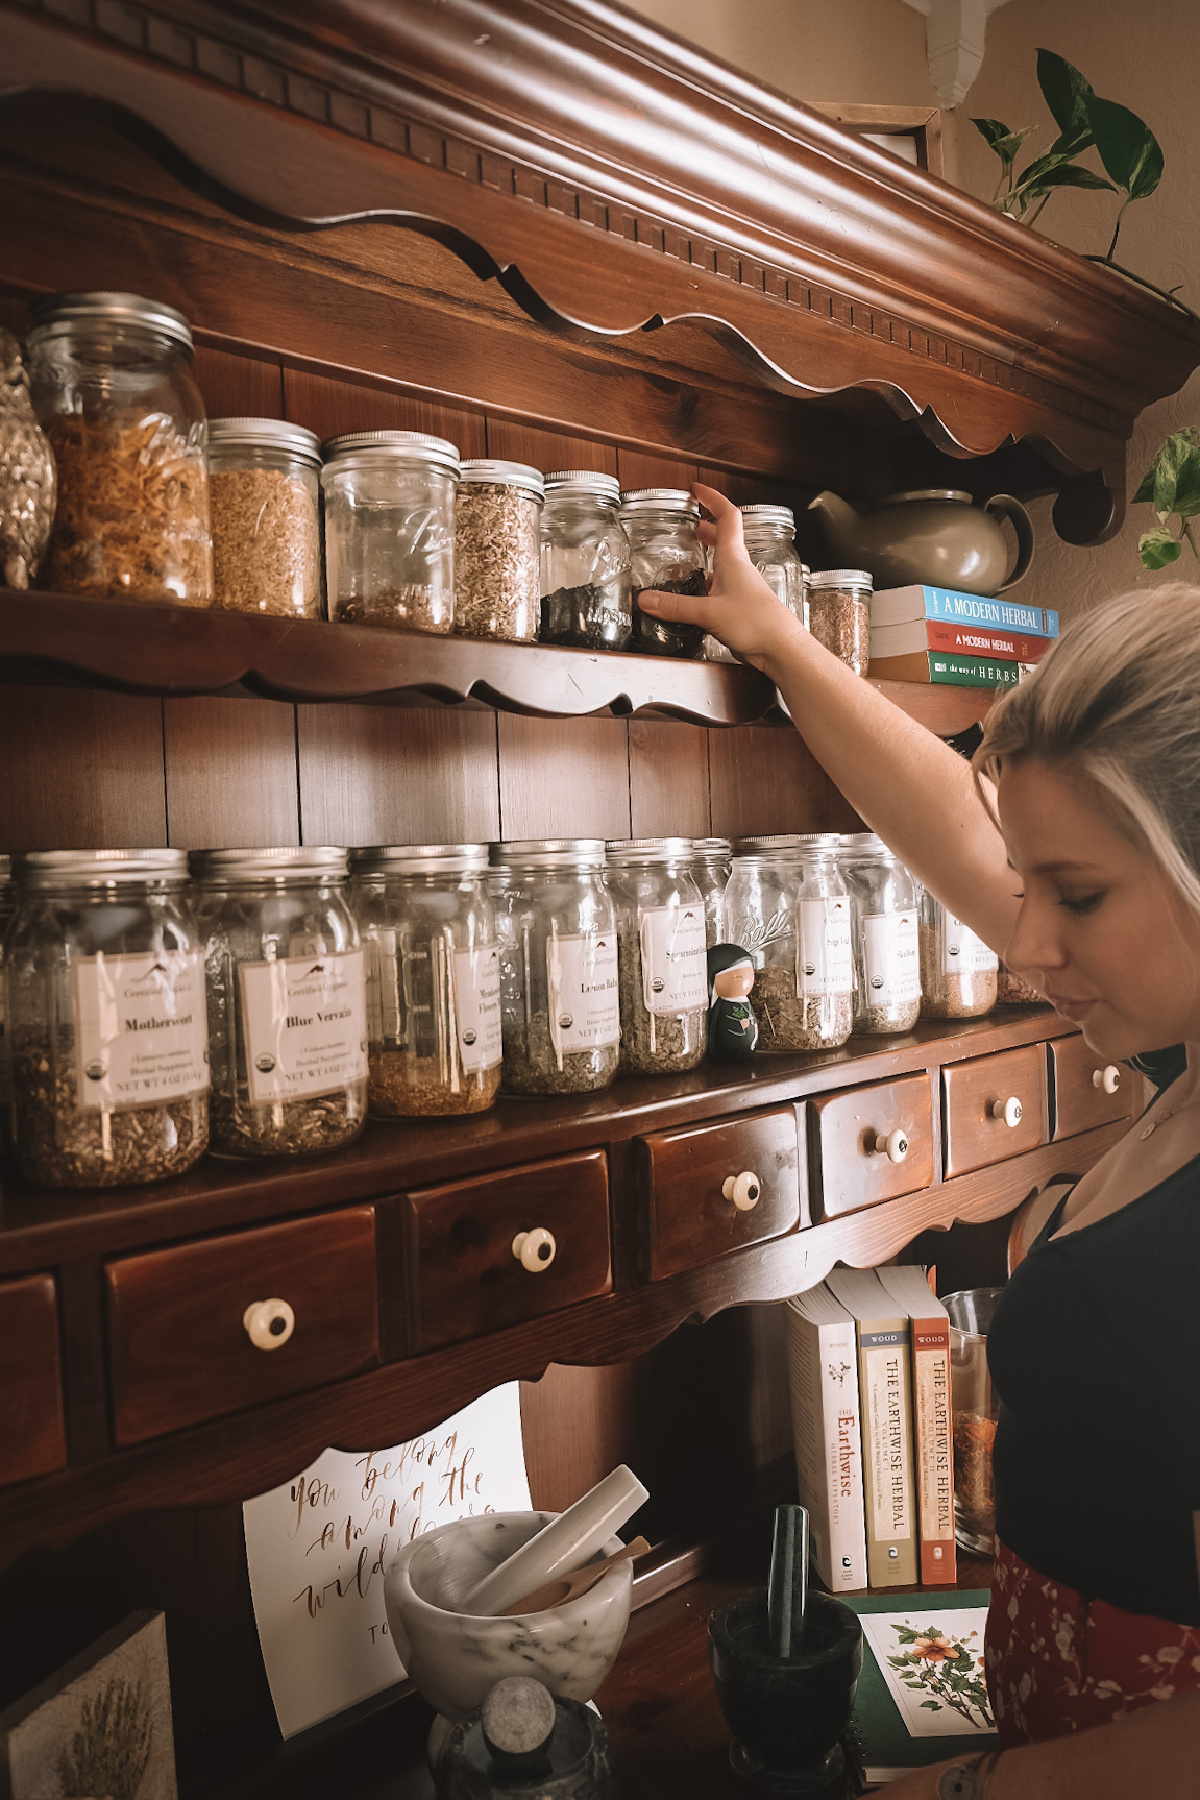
1116,703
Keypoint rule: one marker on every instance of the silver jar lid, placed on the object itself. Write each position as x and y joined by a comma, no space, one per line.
265,434
712,847
562,482
57,312
288,862
623,852
866,846
5,868
98,868
419,859
769,844
638,500
549,853
768,515
414,448
840,578
498,473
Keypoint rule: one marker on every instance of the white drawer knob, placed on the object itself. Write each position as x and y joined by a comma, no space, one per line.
1009,1110
535,1250
744,1190
894,1146
269,1323
1109,1079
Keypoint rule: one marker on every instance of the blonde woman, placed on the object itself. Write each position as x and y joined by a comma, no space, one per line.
1073,849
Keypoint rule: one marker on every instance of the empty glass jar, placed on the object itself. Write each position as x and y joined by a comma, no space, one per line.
769,533
839,614
667,554
883,913
712,860
662,954
265,490
958,970
389,529
586,572
787,904
497,550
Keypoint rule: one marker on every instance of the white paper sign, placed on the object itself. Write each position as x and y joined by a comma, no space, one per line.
932,1662
318,1548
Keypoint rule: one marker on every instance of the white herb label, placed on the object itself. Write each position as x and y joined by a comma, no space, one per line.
477,996
891,961
581,981
141,1033
824,959
967,954
674,947
304,1025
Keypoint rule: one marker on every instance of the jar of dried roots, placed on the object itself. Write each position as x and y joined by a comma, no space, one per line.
787,904
586,580
958,970
389,529
497,547
265,488
667,554
839,614
662,955
883,922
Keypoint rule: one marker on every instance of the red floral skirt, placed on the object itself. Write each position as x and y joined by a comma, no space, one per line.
1058,1663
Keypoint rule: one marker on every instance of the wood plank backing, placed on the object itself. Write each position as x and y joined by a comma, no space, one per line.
382,775
563,777
231,773
330,407
81,770
236,386
668,779
546,450
765,779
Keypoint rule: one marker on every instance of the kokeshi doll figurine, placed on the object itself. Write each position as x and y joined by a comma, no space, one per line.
732,1027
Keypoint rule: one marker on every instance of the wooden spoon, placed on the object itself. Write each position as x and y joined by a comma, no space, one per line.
570,1587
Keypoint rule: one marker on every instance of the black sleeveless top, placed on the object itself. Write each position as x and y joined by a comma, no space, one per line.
1094,1351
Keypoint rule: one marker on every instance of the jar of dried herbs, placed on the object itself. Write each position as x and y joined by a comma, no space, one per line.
667,553
498,550
287,1011
661,955
389,529
111,380
711,862
265,491
104,977
958,970
556,925
787,904
586,563
433,979
883,923
839,614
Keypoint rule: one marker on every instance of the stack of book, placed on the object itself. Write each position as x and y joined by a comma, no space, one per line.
960,640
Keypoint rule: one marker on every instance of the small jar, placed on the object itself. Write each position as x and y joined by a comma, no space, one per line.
711,862
104,971
787,905
498,550
839,614
433,979
662,955
111,381
586,563
958,970
389,529
287,1018
769,533
883,923
265,492
556,925
667,553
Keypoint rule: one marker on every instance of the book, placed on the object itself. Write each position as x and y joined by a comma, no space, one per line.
885,1389
933,1422
946,671
957,640
823,1379
897,606
881,1740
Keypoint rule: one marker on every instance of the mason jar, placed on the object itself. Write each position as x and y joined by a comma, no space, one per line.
883,921
287,1019
389,529
104,976
958,970
586,563
265,491
111,381
667,553
7,907
769,533
787,905
433,979
662,954
498,550
556,926
839,614
711,862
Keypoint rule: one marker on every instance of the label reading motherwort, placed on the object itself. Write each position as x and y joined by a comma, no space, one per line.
304,1021
674,948
141,1034
581,984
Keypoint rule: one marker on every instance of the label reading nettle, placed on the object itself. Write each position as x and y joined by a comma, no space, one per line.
581,982
967,954
674,948
141,1033
477,995
824,960
891,960
304,1024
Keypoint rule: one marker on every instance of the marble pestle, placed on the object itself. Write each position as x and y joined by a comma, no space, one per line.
787,1585
562,1546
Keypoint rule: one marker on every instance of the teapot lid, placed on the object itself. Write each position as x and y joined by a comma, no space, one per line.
959,494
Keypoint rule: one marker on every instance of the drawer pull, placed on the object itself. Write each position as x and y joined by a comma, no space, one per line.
269,1323
1109,1079
535,1250
745,1190
1008,1110
894,1146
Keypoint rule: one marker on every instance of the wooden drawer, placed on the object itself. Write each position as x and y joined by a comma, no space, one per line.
466,1273
180,1332
975,1136
850,1172
33,1438
691,1220
1078,1079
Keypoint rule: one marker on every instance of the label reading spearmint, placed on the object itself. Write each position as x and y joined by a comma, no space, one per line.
824,960
891,961
674,958
141,1034
305,1026
477,995
581,982
967,954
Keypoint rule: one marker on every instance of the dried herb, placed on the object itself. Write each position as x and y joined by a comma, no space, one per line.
531,1062
287,1127
840,619
975,1500
654,1043
595,616
266,543
411,606
882,1020
26,474
662,637
788,1021
401,1085
497,562
1012,991
951,996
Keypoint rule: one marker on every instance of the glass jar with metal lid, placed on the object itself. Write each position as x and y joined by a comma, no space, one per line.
958,970
104,974
556,925
498,550
586,578
111,382
286,1000
839,614
433,978
662,955
787,904
667,553
389,529
265,491
883,917
769,533
711,862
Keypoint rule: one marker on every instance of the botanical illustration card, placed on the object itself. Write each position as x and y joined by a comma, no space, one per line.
932,1662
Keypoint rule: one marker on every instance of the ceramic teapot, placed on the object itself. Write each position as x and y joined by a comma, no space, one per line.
933,535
